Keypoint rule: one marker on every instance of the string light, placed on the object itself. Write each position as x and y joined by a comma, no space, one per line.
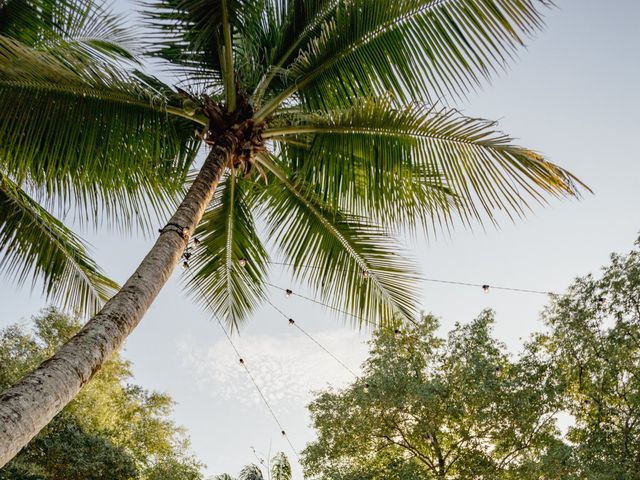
485,288
397,333
365,389
185,265
310,337
292,321
331,307
365,274
196,241
498,371
258,389
288,292
242,262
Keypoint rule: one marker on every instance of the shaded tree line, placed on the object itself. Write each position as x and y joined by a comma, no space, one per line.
113,430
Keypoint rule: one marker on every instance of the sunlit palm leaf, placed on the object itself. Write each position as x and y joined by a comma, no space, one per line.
355,264
86,137
416,49
34,243
228,239
481,167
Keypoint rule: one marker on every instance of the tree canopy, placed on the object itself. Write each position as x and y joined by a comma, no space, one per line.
113,430
461,406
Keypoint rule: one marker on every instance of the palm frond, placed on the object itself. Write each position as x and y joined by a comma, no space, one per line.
280,30
83,135
34,243
251,472
477,168
415,49
229,266
355,265
280,467
191,34
85,27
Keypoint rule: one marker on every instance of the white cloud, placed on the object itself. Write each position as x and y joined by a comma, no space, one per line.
287,369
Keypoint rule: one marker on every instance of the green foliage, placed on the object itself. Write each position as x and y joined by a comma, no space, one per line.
112,430
341,98
460,407
33,241
228,236
594,343
278,468
428,407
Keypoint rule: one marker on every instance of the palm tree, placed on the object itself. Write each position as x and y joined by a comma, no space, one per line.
325,119
278,468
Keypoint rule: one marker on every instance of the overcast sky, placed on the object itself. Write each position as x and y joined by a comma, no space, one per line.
572,95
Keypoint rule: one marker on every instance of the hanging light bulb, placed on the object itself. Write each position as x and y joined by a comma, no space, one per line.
365,274
283,433
288,292
485,288
196,241
365,389
186,255
602,300
242,262
397,333
185,265
242,361
498,372
291,321
185,232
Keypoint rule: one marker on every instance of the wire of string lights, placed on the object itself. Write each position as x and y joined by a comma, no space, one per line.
485,287
310,337
243,363
288,291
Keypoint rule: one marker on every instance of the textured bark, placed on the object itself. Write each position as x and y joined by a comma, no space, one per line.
30,404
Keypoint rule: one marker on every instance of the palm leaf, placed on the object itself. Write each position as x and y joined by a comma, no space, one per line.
354,263
35,243
195,36
87,137
480,169
280,467
251,472
84,28
228,240
415,49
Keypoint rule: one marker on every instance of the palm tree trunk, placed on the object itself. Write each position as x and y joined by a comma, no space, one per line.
30,404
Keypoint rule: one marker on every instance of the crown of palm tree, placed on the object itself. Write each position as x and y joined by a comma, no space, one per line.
334,114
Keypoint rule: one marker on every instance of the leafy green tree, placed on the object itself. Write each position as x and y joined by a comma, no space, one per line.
278,468
113,430
318,115
453,408
594,344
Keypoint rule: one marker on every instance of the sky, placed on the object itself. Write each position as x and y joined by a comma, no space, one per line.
572,95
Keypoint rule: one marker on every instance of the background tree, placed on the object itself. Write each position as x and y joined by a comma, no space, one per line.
320,118
594,345
113,430
428,407
277,468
